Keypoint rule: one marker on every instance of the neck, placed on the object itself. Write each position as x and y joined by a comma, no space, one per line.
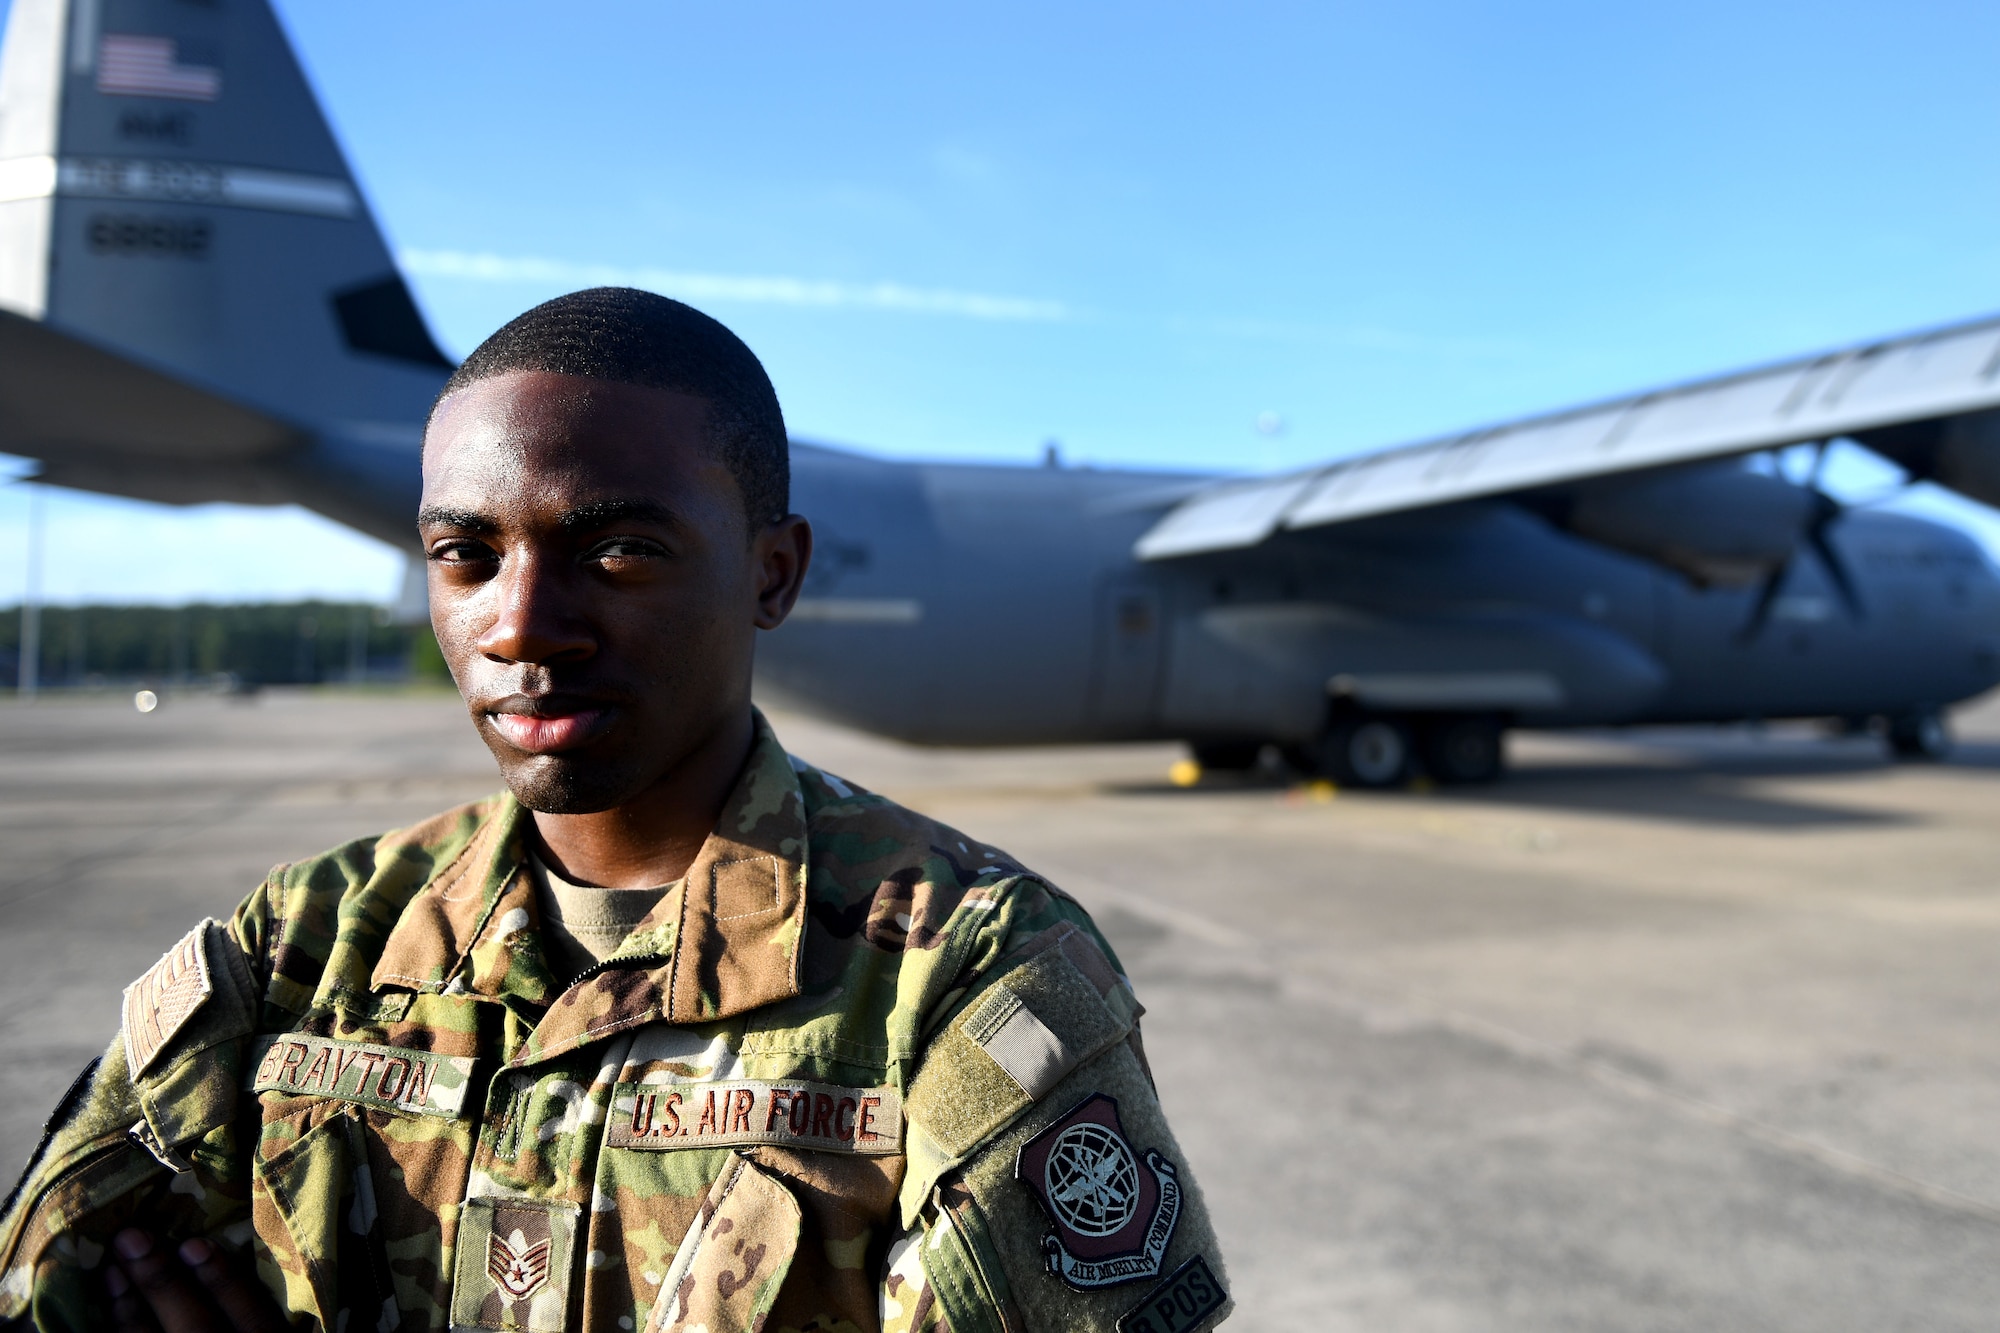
653,838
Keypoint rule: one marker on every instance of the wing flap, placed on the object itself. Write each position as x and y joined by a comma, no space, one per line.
1929,376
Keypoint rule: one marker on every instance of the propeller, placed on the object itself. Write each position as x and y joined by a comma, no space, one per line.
1826,511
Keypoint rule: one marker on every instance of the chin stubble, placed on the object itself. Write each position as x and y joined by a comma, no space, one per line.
552,785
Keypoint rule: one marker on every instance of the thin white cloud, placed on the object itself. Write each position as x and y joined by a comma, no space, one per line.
472,267
1361,337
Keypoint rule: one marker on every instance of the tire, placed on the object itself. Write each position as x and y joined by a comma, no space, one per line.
1228,757
1919,736
1365,751
1465,749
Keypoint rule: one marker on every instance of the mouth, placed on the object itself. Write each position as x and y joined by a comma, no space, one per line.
548,726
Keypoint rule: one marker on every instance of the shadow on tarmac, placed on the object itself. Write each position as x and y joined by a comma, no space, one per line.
1704,779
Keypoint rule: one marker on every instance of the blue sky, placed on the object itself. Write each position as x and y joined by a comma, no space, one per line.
962,231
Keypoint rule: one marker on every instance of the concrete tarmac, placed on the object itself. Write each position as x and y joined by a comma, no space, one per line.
1668,1031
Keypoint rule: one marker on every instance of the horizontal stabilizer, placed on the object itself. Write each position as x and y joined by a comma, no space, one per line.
1933,376
103,422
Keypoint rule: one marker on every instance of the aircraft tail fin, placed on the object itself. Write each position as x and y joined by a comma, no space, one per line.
171,194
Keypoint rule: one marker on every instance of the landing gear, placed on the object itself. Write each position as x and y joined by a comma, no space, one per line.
1364,750
1464,749
1918,735
1385,750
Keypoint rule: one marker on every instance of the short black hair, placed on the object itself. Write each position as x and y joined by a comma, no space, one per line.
628,336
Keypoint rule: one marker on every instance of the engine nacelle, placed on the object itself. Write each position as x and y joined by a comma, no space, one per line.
1719,524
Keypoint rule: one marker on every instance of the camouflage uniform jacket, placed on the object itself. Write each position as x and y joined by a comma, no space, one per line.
856,1071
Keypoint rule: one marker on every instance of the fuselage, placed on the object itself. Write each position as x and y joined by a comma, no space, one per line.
956,604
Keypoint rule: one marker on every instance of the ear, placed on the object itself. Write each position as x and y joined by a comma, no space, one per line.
783,552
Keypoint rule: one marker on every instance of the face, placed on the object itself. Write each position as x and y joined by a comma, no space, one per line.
595,586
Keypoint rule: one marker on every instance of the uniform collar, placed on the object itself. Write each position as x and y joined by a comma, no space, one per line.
725,942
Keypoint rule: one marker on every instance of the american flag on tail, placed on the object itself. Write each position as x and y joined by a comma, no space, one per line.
136,66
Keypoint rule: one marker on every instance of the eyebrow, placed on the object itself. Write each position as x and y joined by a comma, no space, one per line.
584,518
438,516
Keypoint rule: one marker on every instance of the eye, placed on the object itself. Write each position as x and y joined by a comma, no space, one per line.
625,552
460,551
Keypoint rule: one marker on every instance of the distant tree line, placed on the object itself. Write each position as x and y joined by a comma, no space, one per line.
276,643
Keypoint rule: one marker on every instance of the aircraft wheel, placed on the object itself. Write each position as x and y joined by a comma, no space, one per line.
1228,757
1920,735
1465,749
1365,752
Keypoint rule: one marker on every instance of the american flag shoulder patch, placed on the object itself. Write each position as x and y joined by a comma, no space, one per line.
161,1002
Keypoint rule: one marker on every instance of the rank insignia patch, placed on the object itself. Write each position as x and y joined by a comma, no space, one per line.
159,1003
1114,1212
513,1266
516,1267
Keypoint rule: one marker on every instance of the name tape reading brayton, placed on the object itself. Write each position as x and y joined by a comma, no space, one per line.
782,1113
389,1077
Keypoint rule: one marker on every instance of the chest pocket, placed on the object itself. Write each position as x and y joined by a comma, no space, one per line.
313,1204
361,1145
824,1157
726,1275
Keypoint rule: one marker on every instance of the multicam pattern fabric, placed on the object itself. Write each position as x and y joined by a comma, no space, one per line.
826,946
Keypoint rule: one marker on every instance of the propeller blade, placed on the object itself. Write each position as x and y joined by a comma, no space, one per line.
1836,568
1767,596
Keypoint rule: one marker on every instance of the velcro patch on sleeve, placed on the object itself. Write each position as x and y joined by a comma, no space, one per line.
1180,1303
390,1078
161,1002
783,1113
1016,1042
1060,1005
1005,1028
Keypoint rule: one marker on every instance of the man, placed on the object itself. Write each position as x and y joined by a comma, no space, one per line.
680,1032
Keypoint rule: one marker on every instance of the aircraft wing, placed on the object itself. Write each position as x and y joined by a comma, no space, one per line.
1883,387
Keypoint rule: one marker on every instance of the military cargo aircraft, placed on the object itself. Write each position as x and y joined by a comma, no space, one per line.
196,305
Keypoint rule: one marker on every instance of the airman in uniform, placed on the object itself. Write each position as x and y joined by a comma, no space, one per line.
680,1032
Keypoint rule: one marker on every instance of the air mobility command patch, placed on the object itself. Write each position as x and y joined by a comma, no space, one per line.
387,1077
783,1113
1114,1214
159,1003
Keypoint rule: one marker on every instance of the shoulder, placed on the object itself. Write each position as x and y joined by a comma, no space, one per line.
355,893
905,881
899,901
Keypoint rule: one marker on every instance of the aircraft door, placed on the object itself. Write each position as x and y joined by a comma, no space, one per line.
1125,686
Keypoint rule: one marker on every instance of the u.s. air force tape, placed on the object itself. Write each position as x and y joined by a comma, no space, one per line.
389,1077
784,1113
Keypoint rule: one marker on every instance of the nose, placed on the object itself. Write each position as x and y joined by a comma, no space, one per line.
537,618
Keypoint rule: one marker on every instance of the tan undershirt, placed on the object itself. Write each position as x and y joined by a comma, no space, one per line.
583,925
